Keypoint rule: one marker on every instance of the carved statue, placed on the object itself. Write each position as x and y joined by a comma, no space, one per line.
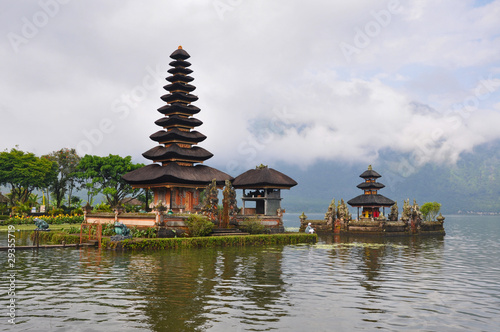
160,206
393,215
343,210
121,229
122,232
230,205
41,224
211,202
416,211
330,215
406,215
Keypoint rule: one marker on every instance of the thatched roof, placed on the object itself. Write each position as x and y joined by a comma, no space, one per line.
371,200
181,63
179,86
175,152
370,173
180,54
263,178
173,173
173,120
176,134
370,185
179,97
179,108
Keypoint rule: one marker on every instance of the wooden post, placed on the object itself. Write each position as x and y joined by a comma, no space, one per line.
99,235
81,232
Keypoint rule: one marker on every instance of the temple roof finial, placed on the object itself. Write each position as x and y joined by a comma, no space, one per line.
180,47
369,167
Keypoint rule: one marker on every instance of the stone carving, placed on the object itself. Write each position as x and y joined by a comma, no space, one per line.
406,214
121,229
415,212
343,211
211,202
160,206
122,232
41,225
394,214
440,218
230,205
330,214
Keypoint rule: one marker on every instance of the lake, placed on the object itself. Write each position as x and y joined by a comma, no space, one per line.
443,283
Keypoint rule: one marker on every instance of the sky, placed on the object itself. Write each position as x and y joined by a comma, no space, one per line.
292,82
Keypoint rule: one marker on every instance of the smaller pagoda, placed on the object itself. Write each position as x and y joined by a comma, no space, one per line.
370,201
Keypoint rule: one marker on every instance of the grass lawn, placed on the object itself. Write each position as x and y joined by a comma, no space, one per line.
4,228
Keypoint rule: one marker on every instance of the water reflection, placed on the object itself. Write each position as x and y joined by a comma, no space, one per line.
342,283
189,290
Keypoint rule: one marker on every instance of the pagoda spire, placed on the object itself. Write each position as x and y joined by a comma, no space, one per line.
370,200
178,141
177,174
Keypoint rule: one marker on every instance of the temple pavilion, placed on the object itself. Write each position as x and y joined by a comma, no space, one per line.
262,190
370,201
177,176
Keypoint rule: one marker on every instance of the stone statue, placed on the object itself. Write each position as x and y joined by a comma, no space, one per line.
211,202
394,214
416,211
406,215
230,205
122,232
41,225
330,214
343,211
121,229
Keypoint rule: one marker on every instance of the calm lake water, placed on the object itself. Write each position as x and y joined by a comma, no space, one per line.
449,283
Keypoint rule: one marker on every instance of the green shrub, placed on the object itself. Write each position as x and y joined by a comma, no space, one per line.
108,229
253,226
55,212
132,208
51,220
210,242
430,210
77,211
58,238
199,225
103,207
73,230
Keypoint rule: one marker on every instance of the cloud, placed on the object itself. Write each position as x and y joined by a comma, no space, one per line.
273,79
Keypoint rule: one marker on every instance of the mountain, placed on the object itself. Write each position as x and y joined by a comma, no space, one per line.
470,185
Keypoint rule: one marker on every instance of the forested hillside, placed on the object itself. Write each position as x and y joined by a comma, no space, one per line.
470,185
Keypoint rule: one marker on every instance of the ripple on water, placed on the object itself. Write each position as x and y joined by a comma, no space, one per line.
450,284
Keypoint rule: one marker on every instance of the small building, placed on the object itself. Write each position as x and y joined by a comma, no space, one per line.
370,201
262,190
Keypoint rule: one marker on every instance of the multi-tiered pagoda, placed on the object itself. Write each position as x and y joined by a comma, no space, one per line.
177,177
371,201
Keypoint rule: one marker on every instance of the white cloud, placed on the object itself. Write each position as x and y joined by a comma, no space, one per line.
272,79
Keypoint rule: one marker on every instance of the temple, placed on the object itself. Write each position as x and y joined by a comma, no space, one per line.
177,176
370,201
371,222
262,189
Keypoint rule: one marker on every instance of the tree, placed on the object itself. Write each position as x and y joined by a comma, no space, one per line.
67,160
25,172
430,210
104,175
